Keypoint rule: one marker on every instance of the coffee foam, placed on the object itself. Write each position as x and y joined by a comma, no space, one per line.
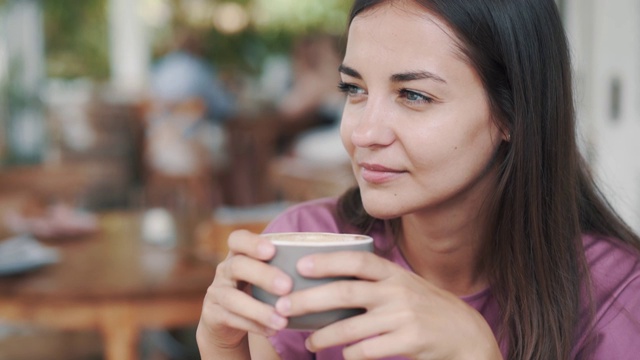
317,239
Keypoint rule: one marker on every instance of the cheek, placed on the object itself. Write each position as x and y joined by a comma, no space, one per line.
485,137
476,150
346,129
475,128
458,149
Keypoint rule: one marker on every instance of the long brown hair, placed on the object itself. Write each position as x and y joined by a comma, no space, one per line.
545,198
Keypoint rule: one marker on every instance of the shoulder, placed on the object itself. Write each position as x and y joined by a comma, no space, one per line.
315,215
615,300
612,263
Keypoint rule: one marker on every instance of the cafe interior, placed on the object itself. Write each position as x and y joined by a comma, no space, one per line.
134,137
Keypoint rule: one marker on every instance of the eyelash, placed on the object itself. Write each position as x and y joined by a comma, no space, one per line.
349,89
352,90
404,93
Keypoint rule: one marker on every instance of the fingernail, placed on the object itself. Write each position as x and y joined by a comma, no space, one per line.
277,322
283,305
281,284
305,266
307,345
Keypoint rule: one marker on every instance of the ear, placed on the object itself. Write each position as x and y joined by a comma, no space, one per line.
505,133
503,127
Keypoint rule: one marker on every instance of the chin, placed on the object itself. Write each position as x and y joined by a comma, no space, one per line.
380,209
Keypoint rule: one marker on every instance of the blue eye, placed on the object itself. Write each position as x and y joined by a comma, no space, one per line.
414,97
350,89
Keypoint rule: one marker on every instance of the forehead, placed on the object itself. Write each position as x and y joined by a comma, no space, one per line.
404,31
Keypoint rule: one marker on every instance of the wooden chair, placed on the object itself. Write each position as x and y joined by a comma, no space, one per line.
194,188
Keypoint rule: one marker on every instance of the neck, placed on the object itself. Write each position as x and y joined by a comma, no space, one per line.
445,245
450,260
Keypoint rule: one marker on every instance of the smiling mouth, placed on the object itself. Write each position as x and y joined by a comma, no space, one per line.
376,167
378,174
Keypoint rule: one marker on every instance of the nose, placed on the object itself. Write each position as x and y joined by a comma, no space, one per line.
372,127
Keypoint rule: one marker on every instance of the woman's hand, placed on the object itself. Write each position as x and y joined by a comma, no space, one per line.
406,315
229,312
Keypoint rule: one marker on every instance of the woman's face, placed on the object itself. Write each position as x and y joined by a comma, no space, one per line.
417,123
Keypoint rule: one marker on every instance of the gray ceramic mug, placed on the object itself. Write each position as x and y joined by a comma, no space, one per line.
290,247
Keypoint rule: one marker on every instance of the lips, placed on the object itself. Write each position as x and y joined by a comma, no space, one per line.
378,174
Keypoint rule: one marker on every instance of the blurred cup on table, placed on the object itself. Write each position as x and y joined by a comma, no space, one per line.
159,227
290,247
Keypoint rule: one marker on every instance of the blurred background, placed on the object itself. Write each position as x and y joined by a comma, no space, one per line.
136,134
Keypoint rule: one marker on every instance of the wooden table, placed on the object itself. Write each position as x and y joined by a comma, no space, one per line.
111,282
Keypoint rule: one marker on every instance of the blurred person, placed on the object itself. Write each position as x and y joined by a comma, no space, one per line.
314,98
183,73
492,238
185,137
315,59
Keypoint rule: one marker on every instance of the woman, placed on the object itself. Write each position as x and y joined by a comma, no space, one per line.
493,242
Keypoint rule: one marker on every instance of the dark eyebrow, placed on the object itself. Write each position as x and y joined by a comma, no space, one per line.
408,76
416,75
349,71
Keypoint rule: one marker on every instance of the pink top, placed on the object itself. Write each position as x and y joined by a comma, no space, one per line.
615,272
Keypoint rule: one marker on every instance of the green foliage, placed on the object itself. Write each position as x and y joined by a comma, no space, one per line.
279,24
76,38
77,43
245,52
301,16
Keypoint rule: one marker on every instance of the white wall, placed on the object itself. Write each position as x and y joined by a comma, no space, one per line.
605,37
129,47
